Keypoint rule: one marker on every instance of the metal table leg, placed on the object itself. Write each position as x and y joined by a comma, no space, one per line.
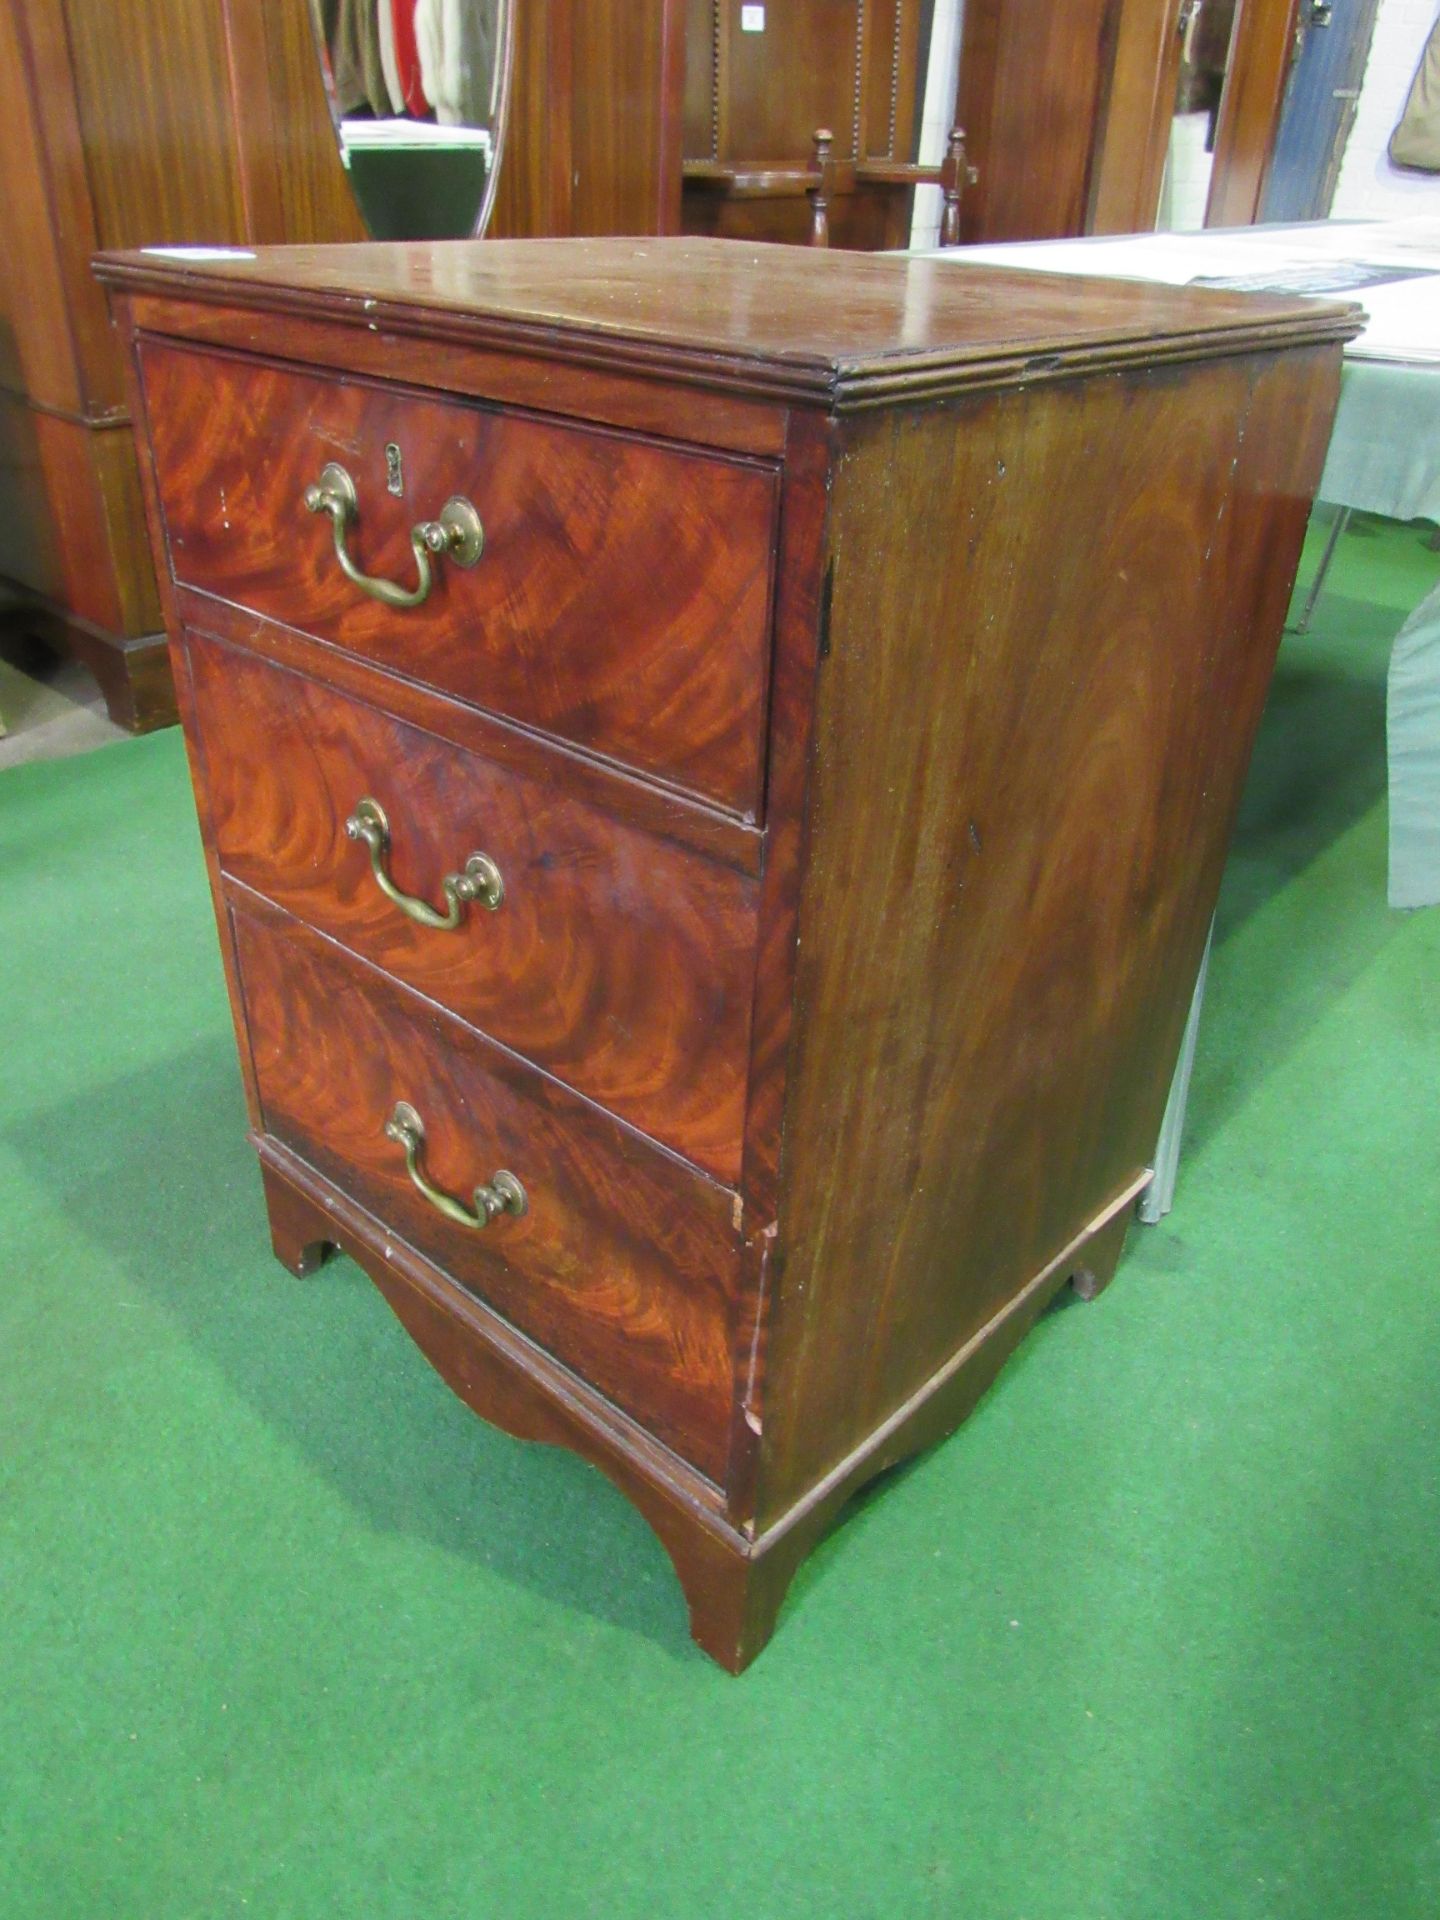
1338,526
1159,1196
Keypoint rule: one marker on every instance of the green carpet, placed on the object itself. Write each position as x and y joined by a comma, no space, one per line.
285,1631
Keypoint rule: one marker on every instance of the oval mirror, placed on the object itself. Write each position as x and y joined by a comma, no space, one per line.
419,91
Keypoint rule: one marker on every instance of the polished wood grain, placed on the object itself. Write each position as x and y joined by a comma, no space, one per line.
224,919
612,567
802,618
855,221
291,177
532,194
1039,849
627,72
40,355
616,961
66,563
81,531
181,691
1136,110
517,1386
127,123
1003,743
809,326
1030,87
117,467
624,1265
175,95
734,1579
1068,112
530,379
593,143
779,85
487,1361
823,202
1263,47
76,572
735,1605
609,789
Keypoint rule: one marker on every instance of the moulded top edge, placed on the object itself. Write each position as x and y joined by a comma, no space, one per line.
796,323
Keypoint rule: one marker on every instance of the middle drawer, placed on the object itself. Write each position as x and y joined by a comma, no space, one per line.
617,961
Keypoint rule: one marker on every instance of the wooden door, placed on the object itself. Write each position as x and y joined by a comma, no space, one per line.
1067,112
1136,110
1032,93
594,137
1261,52
1319,109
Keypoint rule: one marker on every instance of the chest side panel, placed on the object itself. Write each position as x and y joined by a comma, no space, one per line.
1055,615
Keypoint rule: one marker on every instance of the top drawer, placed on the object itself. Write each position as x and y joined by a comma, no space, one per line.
621,601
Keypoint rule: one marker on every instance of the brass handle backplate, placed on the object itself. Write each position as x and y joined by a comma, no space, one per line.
480,879
503,1194
457,536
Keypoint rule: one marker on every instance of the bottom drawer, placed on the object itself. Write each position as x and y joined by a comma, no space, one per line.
624,1263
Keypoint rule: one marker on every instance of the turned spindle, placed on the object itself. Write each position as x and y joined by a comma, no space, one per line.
820,195
955,176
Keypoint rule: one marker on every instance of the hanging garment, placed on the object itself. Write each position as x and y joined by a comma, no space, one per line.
483,61
407,58
456,40
385,14
1416,139
350,30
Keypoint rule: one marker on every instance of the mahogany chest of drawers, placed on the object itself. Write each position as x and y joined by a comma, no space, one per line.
715,763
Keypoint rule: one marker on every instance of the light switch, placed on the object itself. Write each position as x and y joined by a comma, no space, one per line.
752,19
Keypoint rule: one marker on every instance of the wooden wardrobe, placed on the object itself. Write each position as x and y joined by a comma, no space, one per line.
1067,112
128,123
205,122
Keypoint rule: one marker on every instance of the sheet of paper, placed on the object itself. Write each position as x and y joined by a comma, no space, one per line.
1403,316
1411,242
1404,322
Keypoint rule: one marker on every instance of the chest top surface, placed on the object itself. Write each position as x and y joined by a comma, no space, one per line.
808,324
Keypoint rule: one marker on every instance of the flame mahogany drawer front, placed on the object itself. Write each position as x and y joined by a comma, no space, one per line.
847,711
624,1264
620,600
618,961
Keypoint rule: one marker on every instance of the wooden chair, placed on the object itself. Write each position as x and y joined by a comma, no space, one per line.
761,161
824,177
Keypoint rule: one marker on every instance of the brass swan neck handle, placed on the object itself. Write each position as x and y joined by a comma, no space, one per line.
480,879
457,536
502,1194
